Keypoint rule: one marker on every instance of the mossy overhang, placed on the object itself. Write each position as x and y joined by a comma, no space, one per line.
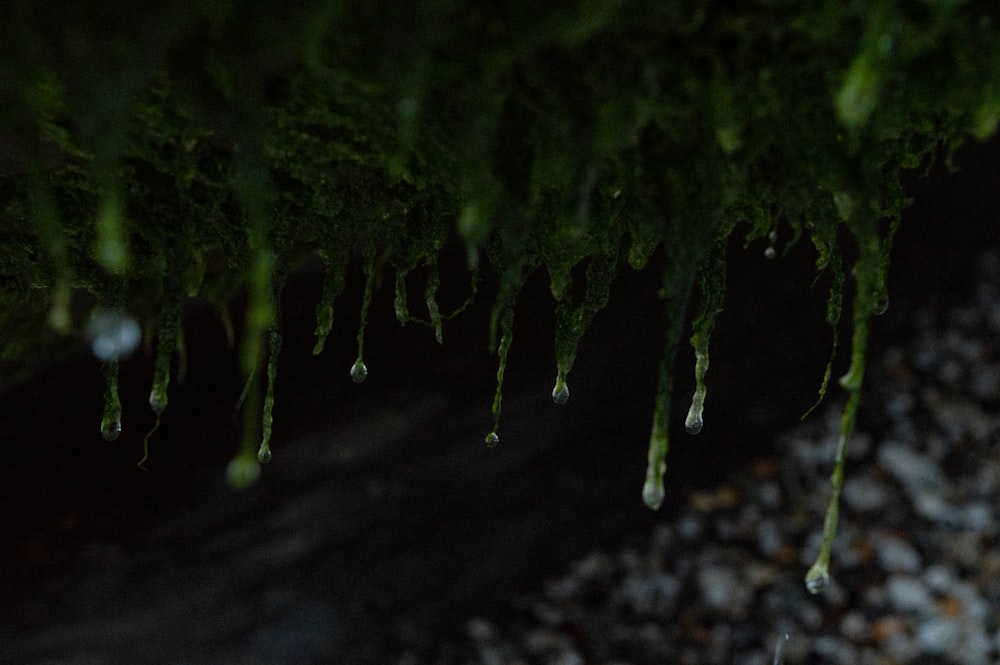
153,153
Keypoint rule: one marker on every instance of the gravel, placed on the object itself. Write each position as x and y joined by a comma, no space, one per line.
915,569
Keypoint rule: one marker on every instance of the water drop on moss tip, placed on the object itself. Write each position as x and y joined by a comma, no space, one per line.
560,393
158,401
492,440
264,455
111,428
653,494
359,372
817,580
694,423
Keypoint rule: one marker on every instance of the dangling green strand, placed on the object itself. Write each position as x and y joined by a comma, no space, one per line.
506,337
111,422
165,344
274,349
572,322
870,271
334,266
145,444
834,306
253,187
818,577
400,303
712,286
359,372
274,344
653,492
430,296
244,469
677,292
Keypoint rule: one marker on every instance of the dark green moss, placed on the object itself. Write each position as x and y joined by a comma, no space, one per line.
151,154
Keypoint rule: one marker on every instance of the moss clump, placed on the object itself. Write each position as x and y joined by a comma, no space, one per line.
152,154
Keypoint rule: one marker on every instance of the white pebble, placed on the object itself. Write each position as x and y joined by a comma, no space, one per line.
909,594
896,555
866,494
902,648
939,578
916,472
854,626
723,592
938,635
835,650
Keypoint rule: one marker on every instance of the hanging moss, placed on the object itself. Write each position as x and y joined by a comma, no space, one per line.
208,149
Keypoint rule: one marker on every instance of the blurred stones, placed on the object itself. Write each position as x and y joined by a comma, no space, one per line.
915,571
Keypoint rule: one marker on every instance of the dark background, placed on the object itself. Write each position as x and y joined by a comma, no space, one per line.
383,517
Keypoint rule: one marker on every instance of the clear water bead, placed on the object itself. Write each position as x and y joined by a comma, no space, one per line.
264,455
358,371
817,580
653,494
158,400
694,423
111,427
492,440
560,393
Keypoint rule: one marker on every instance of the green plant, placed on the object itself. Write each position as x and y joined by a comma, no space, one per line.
157,153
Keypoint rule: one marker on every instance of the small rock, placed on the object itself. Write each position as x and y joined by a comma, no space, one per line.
909,595
896,555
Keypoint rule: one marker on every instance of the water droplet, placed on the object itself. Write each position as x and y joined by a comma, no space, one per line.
158,399
817,580
653,493
560,393
492,440
111,426
881,306
770,253
264,454
112,334
694,422
358,371
242,472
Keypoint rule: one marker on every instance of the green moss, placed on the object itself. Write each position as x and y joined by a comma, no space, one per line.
159,153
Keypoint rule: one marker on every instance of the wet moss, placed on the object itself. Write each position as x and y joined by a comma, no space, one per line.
152,154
